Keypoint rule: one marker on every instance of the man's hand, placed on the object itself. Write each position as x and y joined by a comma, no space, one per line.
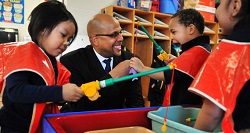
122,69
137,64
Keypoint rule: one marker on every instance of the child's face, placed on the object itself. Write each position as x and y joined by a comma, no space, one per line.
224,14
179,32
58,40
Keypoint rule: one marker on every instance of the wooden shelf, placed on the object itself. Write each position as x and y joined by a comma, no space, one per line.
160,26
220,34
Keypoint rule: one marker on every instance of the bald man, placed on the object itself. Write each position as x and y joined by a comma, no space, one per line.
86,65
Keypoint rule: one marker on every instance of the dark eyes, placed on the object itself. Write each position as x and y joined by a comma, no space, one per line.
63,35
173,32
113,35
69,39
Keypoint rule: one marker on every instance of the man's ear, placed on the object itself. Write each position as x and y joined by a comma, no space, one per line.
94,40
236,5
191,29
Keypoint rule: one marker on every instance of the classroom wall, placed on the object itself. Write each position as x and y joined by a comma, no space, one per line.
23,28
82,10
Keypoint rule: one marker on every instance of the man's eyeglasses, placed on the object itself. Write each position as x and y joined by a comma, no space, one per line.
113,35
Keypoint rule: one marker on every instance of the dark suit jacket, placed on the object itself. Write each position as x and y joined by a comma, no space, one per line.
85,67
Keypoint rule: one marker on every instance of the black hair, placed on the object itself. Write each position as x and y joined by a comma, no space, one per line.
46,16
191,16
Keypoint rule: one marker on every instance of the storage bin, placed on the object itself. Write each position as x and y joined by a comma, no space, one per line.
176,120
155,6
169,6
126,3
144,4
79,122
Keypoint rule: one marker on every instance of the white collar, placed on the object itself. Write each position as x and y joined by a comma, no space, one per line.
101,59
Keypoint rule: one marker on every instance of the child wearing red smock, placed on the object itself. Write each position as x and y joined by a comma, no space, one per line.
32,81
224,79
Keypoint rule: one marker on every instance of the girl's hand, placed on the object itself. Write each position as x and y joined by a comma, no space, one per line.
137,64
71,92
171,58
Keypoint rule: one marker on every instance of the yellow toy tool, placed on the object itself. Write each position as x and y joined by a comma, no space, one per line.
91,90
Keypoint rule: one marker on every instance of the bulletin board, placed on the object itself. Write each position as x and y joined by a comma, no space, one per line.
12,11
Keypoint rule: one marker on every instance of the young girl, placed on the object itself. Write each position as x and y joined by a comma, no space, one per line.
224,79
32,78
187,28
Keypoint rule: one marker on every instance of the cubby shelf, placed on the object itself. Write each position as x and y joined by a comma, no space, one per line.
220,35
